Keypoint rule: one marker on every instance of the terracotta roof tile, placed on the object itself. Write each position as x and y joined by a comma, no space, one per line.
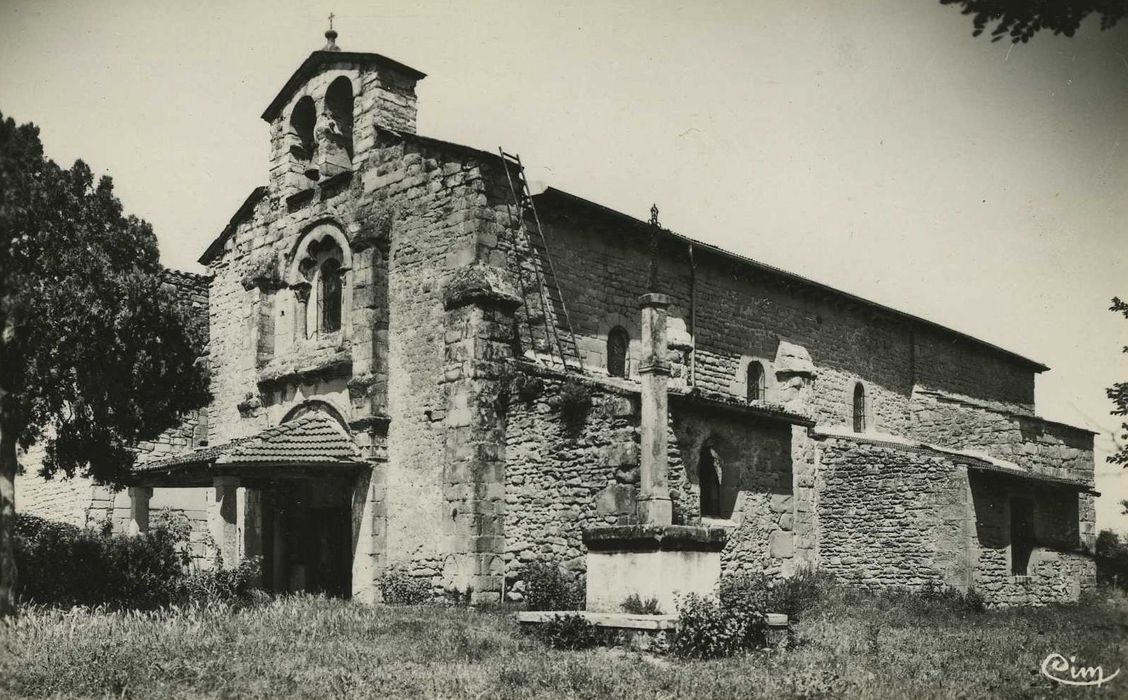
311,439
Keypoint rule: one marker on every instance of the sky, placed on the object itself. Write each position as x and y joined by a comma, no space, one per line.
874,146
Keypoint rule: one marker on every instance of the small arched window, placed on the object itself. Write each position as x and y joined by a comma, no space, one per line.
339,104
756,384
709,478
303,146
329,296
860,408
617,344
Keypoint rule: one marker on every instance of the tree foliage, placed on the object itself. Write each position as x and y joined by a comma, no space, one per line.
95,348
1118,393
96,352
1022,19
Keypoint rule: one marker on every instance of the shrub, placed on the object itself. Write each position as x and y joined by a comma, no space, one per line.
527,387
575,403
796,594
401,588
570,632
64,565
547,587
709,630
637,606
219,586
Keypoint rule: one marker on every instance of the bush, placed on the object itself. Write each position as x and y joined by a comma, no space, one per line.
707,629
575,403
401,588
570,632
637,606
547,587
219,586
63,565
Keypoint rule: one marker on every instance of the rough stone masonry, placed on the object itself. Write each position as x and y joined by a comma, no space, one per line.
389,284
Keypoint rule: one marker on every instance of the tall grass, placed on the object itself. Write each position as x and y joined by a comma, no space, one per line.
848,645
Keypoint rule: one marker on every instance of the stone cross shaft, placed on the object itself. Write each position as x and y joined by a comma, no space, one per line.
654,497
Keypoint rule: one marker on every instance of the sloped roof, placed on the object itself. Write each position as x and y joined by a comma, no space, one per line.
552,196
311,439
319,58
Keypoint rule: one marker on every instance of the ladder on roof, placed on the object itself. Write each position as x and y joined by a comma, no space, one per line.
544,303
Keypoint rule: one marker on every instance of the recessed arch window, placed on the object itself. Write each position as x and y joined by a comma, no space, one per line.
335,128
756,381
329,296
709,475
860,407
303,145
320,282
618,342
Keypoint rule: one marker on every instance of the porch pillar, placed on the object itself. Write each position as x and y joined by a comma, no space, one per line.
225,521
139,509
249,518
654,506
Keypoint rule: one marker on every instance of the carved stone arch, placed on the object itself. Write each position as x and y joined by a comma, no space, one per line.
317,406
322,249
318,233
330,76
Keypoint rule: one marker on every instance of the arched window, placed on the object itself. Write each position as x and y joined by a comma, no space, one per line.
860,408
303,146
755,381
709,477
336,131
329,296
617,344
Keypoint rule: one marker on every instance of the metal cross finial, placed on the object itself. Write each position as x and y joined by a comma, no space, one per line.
331,36
654,215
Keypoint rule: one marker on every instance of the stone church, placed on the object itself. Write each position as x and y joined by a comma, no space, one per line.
418,365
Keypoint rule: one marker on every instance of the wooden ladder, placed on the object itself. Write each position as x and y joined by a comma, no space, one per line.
536,273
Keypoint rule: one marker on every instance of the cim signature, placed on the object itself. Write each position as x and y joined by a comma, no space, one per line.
1058,668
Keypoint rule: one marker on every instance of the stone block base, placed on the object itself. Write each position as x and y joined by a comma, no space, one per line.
660,562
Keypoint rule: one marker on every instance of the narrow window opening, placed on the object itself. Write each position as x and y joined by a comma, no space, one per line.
755,382
860,408
329,296
617,344
1022,535
709,477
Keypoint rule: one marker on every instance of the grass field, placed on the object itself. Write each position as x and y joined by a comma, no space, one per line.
308,647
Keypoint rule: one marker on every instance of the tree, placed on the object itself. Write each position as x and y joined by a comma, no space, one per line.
1021,19
95,353
1118,393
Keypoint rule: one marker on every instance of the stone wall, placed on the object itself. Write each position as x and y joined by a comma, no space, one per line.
561,477
1059,567
1042,446
894,516
891,517
742,312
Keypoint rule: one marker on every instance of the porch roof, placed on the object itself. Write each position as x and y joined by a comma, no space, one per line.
311,443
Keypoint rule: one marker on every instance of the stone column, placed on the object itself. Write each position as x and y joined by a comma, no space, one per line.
139,509
479,321
654,494
249,518
224,519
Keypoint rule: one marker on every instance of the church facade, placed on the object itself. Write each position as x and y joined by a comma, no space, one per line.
416,367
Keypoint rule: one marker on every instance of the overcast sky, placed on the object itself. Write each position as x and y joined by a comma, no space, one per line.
874,146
